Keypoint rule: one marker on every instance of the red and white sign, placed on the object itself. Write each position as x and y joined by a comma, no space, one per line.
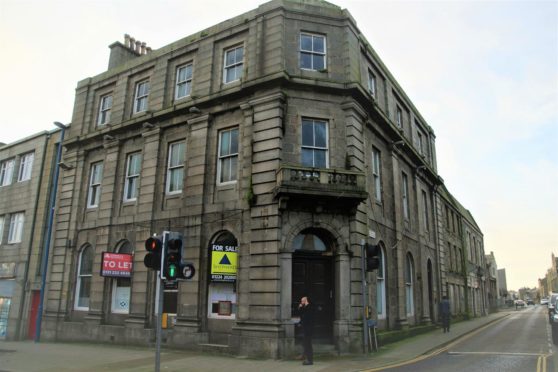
117,265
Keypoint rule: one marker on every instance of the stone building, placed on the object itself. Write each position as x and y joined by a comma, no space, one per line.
463,266
279,133
26,173
491,280
503,284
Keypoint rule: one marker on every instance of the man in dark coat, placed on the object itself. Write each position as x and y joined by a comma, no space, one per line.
445,313
307,322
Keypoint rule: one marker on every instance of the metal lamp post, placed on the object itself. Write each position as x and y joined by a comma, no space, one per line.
44,259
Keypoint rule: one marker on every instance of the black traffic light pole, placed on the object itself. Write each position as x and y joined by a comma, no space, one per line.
161,291
159,325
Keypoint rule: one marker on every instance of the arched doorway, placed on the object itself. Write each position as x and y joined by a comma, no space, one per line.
222,291
312,276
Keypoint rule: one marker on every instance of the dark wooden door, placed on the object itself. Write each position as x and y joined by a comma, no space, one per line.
33,313
313,277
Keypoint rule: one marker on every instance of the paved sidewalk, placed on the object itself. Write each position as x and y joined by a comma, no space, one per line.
27,356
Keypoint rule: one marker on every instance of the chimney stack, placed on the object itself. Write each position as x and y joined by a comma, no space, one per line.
122,53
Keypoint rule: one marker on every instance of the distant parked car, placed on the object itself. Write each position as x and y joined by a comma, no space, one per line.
544,301
519,303
554,326
551,306
530,302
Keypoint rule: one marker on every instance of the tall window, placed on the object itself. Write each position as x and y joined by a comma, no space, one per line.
405,192
234,64
399,117
183,81
16,228
175,167
6,172
372,83
121,287
83,282
314,143
94,194
131,184
376,174
420,143
228,156
450,256
425,210
381,285
312,52
409,284
25,167
142,93
1,229
104,110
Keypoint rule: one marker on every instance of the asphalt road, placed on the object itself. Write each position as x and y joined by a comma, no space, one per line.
519,342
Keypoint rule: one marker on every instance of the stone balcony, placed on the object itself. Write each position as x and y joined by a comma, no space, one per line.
319,187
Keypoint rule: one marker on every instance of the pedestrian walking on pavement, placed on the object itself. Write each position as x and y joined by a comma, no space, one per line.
445,313
306,312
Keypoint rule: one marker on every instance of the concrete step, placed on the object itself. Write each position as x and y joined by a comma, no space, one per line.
214,349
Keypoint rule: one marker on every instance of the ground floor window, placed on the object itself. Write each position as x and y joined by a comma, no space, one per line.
4,311
121,287
222,301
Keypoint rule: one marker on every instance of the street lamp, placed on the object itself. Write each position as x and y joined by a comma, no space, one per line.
44,259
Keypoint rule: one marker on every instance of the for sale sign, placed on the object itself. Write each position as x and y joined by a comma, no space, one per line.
223,263
117,265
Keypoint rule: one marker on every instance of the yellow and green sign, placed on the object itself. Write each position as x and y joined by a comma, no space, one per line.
223,263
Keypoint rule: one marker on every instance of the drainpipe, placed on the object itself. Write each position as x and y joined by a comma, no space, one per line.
44,262
30,247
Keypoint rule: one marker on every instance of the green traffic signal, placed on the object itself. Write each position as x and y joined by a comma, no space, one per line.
172,271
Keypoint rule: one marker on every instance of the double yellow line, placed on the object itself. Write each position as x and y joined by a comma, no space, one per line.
541,363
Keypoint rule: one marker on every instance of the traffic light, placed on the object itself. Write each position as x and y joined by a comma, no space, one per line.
152,259
172,257
372,257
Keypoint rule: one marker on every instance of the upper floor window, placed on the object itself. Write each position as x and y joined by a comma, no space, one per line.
372,83
1,229
6,172
142,93
175,167
133,168
104,110
94,192
83,282
25,167
425,209
314,143
16,228
376,174
227,167
183,81
405,196
234,64
399,117
312,52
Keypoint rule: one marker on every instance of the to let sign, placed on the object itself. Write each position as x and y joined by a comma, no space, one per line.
117,265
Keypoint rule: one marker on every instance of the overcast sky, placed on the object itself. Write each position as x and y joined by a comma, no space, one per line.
484,75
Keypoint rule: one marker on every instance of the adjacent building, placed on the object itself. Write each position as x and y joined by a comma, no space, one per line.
280,137
26,176
549,283
491,280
